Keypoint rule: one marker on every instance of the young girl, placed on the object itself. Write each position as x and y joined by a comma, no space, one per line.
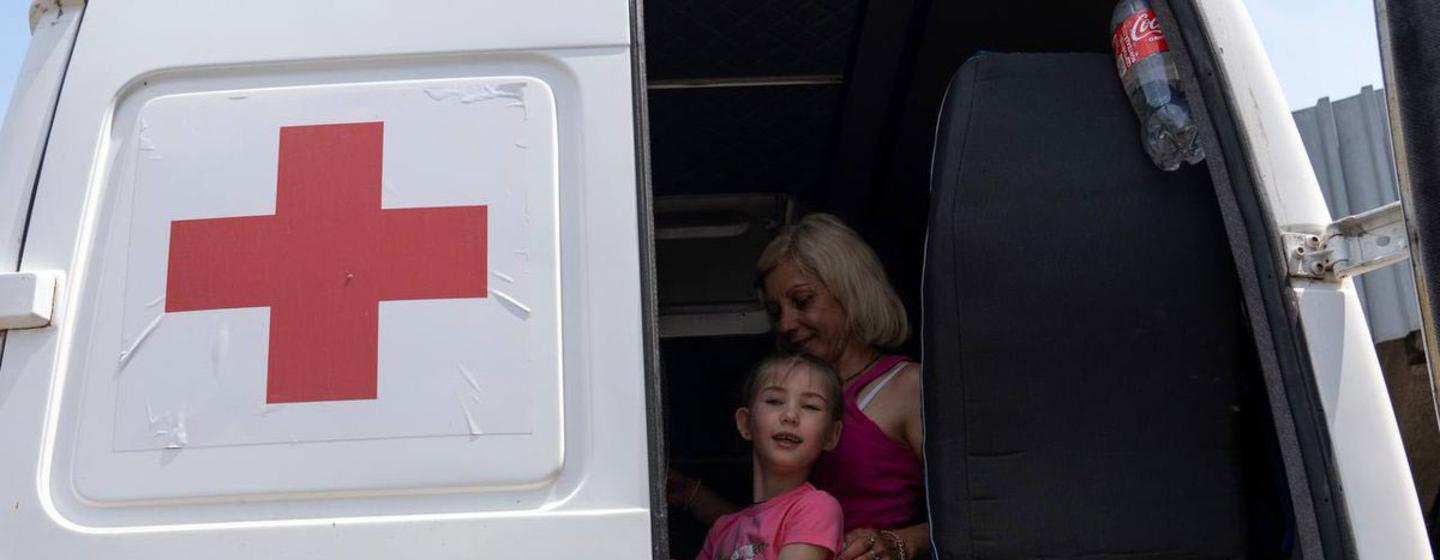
791,413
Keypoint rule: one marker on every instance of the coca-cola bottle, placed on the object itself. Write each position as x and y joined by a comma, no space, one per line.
1143,59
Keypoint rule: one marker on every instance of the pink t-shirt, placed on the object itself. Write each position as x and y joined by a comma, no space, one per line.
800,515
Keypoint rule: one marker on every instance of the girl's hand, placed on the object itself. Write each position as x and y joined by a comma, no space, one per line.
679,488
685,493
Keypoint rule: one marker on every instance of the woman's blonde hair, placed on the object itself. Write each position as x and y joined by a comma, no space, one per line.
825,248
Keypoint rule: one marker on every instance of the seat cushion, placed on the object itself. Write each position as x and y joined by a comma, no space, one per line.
1081,344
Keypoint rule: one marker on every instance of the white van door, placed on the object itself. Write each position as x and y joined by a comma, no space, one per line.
1361,496
338,279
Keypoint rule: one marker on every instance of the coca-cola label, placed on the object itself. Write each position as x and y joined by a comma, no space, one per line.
1137,37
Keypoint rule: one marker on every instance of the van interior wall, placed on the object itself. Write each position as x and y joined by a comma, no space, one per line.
713,130
880,173
853,135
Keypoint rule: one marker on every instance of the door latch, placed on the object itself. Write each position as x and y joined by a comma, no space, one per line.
27,299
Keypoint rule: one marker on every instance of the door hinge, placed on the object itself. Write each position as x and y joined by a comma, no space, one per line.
1350,246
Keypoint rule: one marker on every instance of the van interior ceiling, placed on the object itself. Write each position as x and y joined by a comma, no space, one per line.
762,111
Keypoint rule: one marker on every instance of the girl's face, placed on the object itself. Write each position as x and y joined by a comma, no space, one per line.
789,421
807,317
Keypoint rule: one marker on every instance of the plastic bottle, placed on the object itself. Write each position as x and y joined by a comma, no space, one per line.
1143,59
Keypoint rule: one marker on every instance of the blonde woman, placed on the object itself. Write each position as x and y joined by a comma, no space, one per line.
829,297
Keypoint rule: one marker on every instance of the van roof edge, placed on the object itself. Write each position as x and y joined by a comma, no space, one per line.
39,8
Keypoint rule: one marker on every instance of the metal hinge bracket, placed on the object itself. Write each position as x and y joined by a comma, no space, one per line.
1351,246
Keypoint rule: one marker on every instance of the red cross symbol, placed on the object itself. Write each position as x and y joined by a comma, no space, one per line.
325,260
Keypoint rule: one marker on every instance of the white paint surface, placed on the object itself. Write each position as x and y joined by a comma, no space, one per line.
1379,493
196,380
214,155
77,480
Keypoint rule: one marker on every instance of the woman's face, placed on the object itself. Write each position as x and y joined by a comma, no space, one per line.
807,317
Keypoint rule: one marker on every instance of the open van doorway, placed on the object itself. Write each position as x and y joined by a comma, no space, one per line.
760,113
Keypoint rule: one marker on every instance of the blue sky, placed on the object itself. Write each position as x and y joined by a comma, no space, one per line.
14,37
1320,48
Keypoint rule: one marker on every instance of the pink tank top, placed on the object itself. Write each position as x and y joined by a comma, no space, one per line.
878,483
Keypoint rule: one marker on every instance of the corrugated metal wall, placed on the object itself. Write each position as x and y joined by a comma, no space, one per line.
1349,146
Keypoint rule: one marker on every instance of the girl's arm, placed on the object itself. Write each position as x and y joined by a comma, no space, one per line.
802,551
709,506
683,492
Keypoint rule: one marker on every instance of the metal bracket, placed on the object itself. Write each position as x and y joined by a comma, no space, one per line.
1351,246
27,299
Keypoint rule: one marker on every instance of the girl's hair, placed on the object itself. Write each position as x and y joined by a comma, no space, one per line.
786,364
824,247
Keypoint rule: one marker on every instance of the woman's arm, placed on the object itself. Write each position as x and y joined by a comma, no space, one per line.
913,423
903,395
872,544
916,537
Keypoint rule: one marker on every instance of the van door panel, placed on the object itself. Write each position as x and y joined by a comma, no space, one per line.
27,122
1364,439
504,417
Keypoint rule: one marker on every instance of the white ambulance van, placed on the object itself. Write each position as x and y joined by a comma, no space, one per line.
465,279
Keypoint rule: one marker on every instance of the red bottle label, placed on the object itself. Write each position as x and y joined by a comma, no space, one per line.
1137,37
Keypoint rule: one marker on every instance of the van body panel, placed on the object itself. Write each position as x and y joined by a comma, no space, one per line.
527,107
1277,154
27,123
1378,488
481,361
575,481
